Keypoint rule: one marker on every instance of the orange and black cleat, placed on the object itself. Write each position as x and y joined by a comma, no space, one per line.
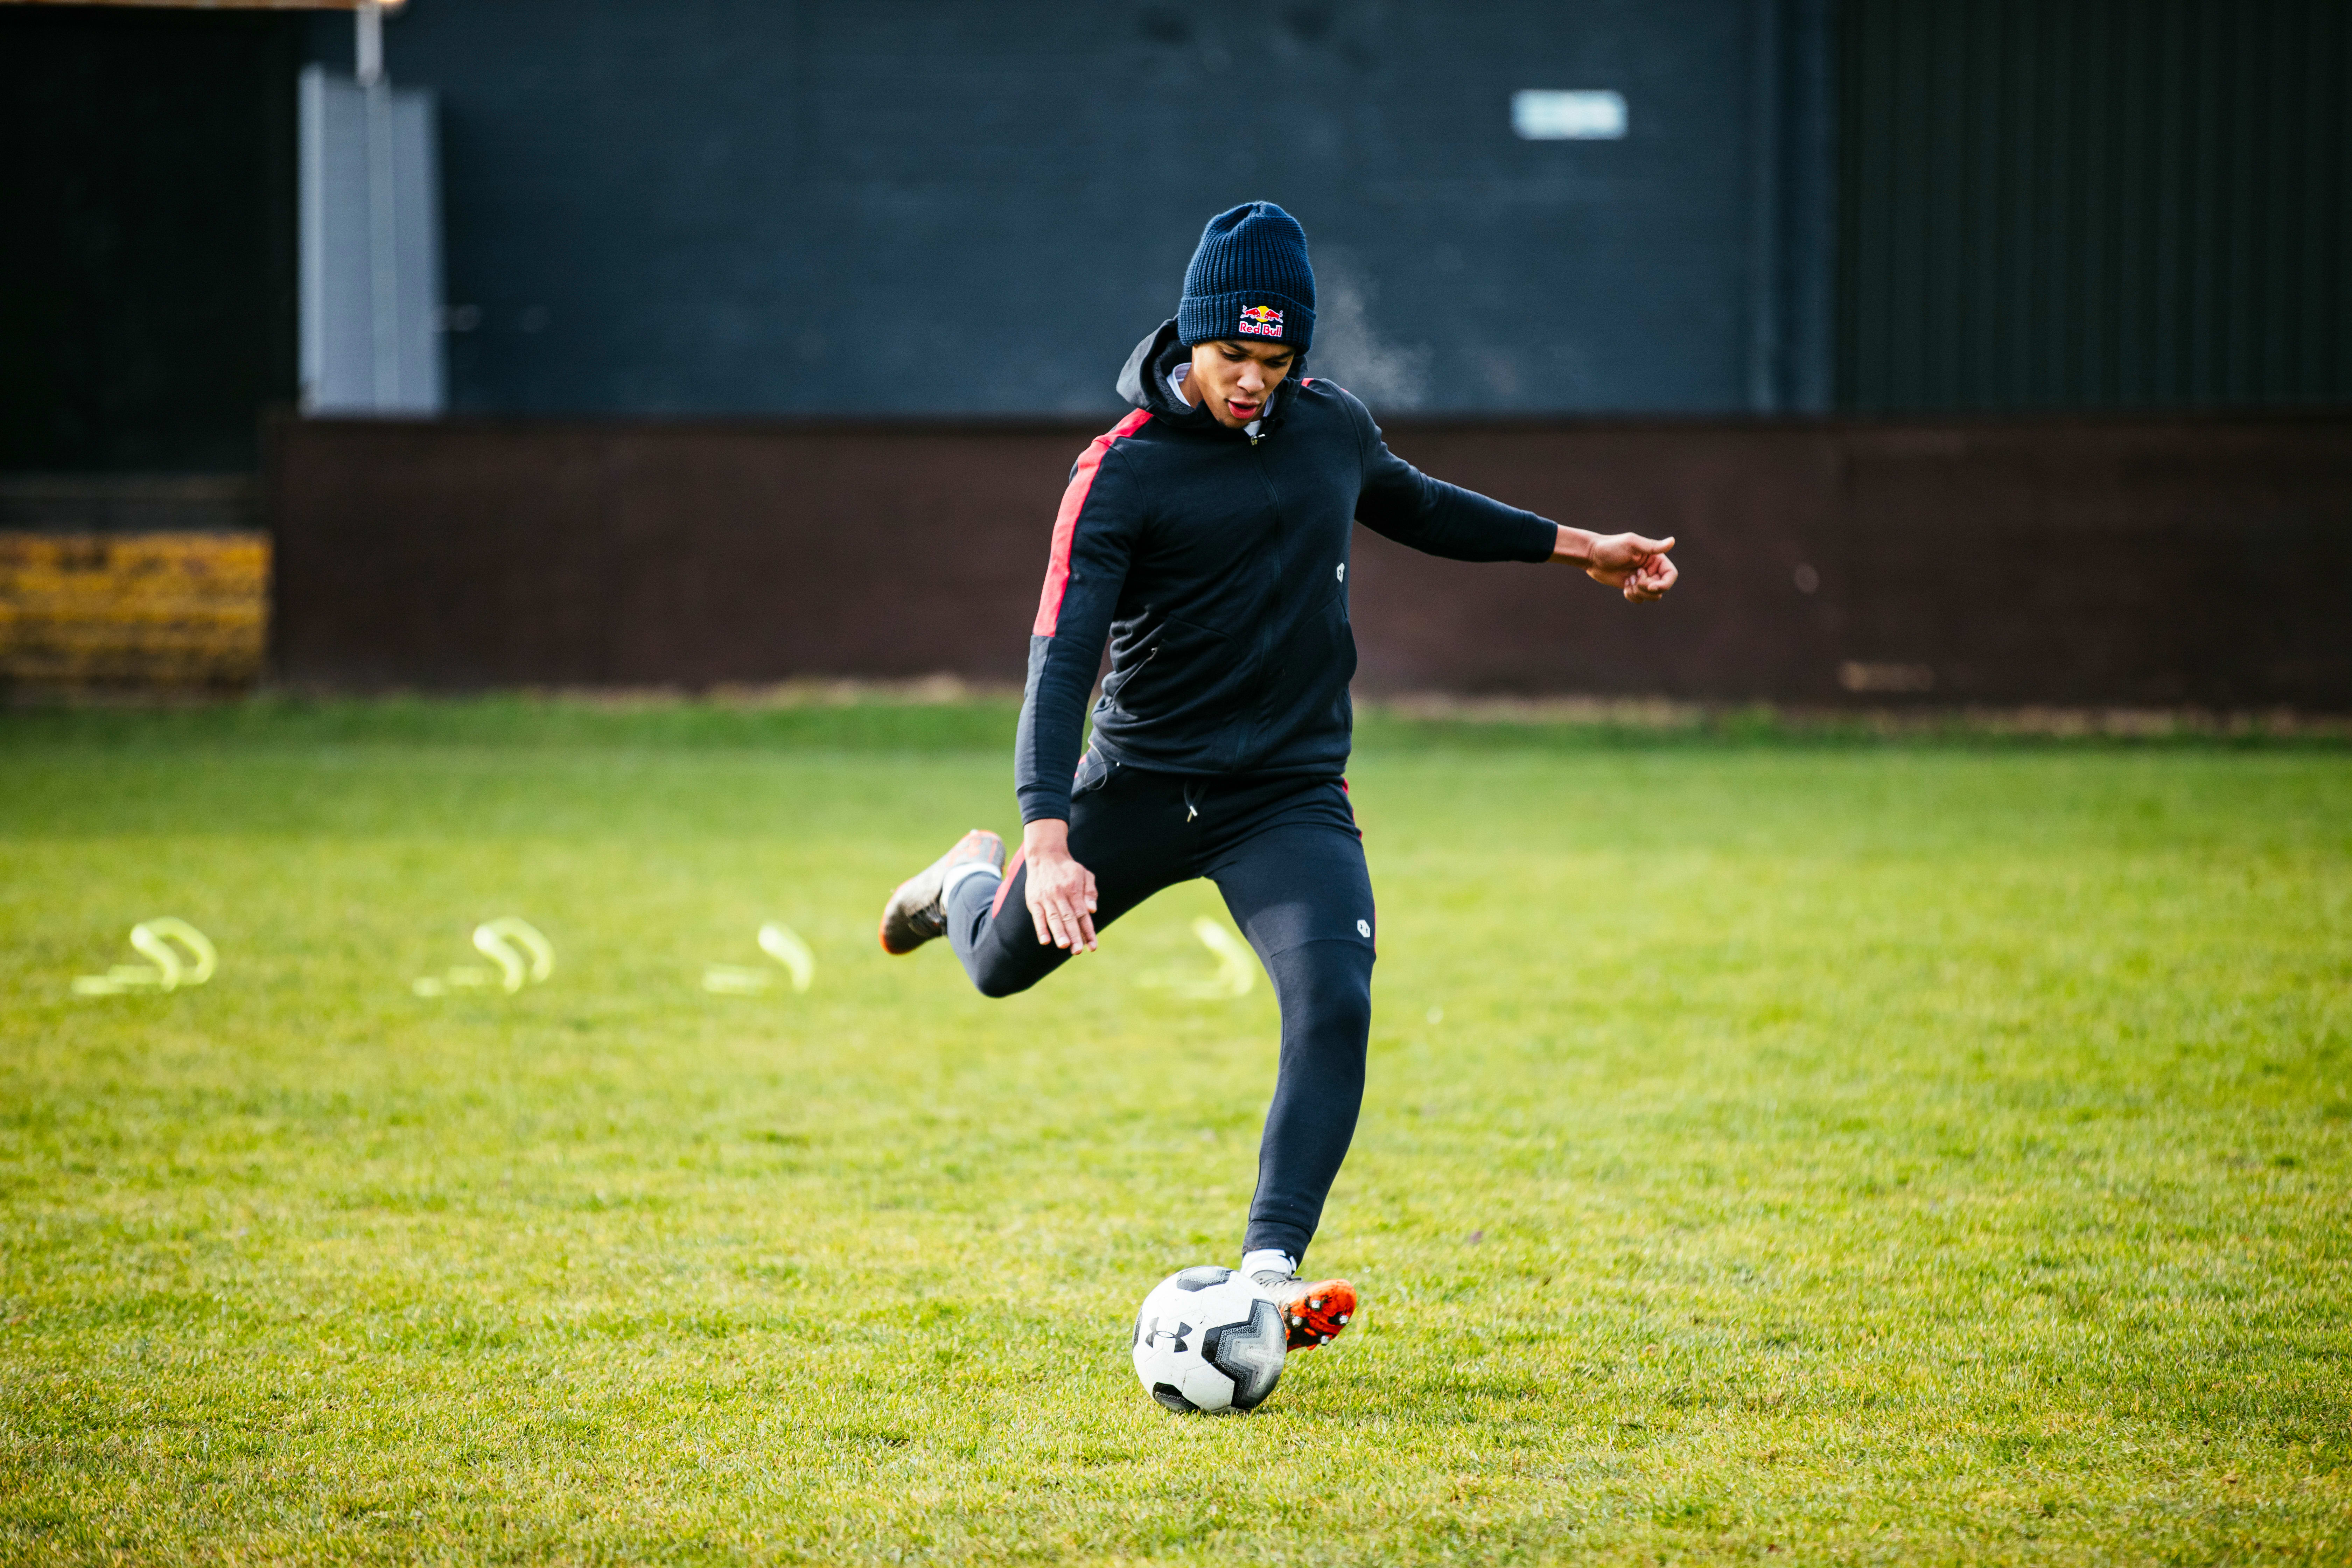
1312,1314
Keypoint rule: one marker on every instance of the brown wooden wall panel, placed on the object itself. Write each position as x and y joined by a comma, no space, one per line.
2164,564
1745,504
747,555
2182,560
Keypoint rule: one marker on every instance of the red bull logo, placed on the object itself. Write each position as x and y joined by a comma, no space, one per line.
1262,321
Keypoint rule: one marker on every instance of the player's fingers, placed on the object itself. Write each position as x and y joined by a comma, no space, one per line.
1086,931
1037,917
1651,546
1655,576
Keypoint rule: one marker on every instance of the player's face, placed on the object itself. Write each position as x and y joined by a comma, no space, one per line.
1234,380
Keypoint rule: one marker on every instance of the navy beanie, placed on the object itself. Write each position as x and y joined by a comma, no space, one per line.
1249,278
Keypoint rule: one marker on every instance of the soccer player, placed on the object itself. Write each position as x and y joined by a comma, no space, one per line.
1206,535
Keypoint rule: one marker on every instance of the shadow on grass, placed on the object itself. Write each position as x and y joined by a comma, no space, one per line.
935,716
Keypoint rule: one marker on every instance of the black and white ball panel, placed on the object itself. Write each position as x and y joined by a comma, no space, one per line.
1249,1353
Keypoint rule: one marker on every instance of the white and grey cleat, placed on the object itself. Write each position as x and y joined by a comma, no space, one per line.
916,911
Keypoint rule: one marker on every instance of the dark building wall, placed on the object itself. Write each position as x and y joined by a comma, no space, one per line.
700,207
2095,204
147,204
894,206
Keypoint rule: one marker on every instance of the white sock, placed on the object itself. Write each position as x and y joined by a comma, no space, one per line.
1256,1263
956,874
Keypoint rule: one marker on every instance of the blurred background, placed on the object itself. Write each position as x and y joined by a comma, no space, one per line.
1991,353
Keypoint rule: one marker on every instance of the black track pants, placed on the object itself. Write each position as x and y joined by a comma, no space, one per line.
1287,858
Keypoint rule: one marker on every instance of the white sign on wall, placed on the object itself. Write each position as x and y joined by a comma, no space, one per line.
1543,115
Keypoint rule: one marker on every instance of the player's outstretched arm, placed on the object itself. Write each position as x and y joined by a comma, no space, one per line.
1060,892
1399,501
1638,566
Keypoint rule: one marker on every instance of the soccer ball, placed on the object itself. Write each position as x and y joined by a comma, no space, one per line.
1209,1339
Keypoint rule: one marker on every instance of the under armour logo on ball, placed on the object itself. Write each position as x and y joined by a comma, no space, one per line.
1159,1331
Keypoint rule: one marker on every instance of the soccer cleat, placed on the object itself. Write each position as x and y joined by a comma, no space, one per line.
916,912
1312,1314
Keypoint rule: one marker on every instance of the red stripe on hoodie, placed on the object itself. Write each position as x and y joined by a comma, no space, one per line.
1066,521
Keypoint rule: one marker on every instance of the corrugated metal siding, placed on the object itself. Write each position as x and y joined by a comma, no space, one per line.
2094,204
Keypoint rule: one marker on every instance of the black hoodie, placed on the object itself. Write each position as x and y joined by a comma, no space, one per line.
1216,562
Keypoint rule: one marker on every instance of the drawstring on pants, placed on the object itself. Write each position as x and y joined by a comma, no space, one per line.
1192,807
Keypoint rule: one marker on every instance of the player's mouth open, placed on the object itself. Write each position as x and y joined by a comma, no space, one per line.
1243,410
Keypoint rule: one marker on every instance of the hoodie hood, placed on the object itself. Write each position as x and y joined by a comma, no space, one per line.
1144,382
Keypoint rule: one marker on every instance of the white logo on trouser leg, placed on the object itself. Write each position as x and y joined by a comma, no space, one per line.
1364,928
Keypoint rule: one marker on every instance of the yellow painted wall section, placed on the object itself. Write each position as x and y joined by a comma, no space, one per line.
133,610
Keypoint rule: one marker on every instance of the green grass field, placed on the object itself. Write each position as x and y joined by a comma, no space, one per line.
1775,1151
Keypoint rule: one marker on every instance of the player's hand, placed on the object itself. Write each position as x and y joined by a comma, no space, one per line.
1060,892
1638,567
